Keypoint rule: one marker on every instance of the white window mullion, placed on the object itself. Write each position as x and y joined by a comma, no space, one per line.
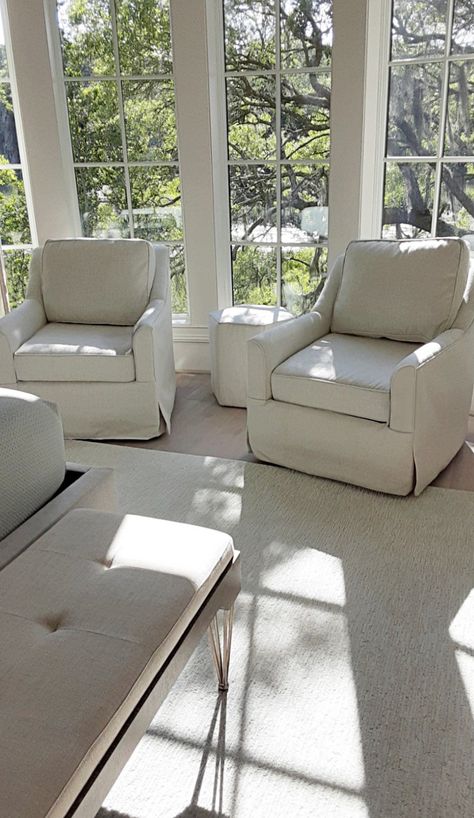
443,116
278,147
123,131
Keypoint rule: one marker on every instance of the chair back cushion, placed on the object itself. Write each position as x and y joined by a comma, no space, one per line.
403,290
96,281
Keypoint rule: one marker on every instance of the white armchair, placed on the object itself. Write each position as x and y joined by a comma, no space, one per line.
374,386
94,335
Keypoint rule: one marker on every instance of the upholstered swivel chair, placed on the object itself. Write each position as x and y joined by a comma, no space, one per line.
94,335
374,386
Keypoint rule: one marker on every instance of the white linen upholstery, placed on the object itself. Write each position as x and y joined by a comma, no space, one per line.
113,378
229,331
15,329
89,614
302,412
32,459
407,290
96,281
342,374
77,352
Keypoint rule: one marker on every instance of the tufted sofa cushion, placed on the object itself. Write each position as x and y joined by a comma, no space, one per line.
403,290
32,459
96,281
89,614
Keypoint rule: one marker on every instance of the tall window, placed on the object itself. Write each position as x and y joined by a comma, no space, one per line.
15,234
278,88
118,73
429,164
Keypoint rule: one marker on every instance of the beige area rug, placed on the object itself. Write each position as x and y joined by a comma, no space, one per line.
352,677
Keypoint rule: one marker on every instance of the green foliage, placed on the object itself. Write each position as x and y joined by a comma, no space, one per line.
303,144
17,264
14,226
150,121
254,275
144,47
303,274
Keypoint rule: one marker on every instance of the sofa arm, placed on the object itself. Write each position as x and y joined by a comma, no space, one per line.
270,348
15,328
152,344
431,393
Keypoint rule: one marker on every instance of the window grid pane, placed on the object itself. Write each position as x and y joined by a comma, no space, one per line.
429,162
278,91
15,239
118,74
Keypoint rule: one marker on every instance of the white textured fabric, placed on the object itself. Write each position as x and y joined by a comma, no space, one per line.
331,444
89,614
251,315
342,374
153,352
15,329
32,461
104,411
350,675
77,352
404,290
101,395
96,281
426,410
229,331
431,394
277,344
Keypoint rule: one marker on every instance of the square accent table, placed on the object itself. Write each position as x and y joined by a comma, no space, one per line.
229,331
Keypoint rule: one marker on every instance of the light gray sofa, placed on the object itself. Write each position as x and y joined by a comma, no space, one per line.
374,386
99,613
94,335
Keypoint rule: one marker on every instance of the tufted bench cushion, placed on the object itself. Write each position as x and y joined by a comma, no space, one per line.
88,615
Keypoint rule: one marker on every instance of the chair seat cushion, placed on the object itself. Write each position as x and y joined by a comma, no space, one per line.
89,614
77,352
342,373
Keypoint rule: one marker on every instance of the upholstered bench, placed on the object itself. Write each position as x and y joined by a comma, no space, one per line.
99,613
97,618
229,331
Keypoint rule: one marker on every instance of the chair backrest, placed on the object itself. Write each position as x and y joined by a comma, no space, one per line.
403,290
96,281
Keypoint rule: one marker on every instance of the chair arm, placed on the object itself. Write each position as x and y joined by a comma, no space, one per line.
427,363
431,395
15,328
152,344
273,346
144,336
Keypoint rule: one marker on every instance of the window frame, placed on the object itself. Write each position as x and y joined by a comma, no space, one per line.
22,165
224,163
61,81
379,63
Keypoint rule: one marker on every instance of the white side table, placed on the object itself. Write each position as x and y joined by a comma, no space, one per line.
229,331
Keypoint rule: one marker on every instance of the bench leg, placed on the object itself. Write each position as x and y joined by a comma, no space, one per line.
220,647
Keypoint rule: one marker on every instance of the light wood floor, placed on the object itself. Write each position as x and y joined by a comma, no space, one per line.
201,426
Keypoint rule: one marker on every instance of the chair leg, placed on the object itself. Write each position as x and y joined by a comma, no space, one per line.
220,647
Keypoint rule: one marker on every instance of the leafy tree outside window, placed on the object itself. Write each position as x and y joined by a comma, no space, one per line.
118,75
429,163
278,90
15,235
